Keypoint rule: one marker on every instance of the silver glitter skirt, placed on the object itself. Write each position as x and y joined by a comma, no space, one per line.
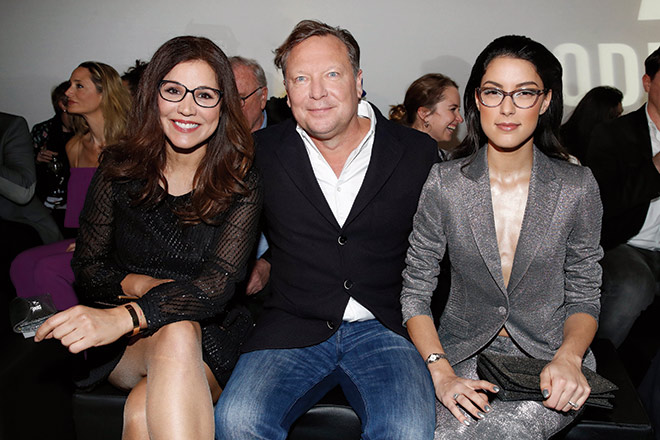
508,420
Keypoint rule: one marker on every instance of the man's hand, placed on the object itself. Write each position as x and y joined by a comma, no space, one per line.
259,277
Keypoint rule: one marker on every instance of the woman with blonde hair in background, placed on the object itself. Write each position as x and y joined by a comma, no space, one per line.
98,105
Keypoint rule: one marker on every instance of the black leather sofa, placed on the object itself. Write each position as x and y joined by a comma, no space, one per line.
98,414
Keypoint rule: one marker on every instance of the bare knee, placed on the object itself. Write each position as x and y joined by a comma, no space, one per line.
180,341
135,413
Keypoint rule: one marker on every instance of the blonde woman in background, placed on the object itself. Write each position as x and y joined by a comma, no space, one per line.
98,105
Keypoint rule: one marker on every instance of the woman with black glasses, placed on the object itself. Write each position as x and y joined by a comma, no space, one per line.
169,222
522,227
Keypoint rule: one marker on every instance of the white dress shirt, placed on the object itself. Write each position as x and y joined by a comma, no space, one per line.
340,192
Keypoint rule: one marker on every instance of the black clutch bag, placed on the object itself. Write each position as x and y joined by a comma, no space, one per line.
27,314
519,379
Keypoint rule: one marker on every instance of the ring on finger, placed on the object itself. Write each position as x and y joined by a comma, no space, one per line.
574,405
455,396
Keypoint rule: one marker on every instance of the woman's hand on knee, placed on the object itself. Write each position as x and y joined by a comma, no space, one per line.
563,385
454,391
81,327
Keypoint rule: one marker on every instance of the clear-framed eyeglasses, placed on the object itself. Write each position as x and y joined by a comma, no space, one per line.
245,98
522,98
173,91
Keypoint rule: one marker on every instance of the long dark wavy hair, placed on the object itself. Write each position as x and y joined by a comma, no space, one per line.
546,134
142,155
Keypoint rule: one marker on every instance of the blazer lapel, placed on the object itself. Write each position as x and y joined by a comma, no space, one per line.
640,135
544,191
385,156
295,161
479,205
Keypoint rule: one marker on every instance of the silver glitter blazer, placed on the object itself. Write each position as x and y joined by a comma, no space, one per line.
555,270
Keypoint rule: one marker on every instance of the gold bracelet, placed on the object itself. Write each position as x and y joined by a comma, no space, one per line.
136,320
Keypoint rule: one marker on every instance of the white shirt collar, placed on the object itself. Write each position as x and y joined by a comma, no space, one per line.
654,133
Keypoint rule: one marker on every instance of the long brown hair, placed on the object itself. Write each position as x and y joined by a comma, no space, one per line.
142,156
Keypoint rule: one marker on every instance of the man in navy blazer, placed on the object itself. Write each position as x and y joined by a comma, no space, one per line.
624,155
341,185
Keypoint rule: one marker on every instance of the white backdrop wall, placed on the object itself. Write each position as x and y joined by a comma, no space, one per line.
598,41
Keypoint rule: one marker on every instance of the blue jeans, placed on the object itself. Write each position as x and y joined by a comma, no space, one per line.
381,373
630,284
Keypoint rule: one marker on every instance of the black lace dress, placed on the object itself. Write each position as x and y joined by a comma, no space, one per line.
117,238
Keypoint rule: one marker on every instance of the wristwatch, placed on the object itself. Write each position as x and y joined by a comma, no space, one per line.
435,357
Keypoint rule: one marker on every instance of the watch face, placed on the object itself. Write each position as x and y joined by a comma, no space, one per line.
434,357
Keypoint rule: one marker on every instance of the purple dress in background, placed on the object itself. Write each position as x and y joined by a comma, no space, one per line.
47,269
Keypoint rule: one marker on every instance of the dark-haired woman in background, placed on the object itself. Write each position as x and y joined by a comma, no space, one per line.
169,222
432,105
600,104
522,226
50,138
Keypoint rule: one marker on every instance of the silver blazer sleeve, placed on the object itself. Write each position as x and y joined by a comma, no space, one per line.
427,247
581,268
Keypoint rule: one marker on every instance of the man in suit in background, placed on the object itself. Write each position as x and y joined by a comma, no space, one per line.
253,90
341,185
18,180
624,155
259,113
24,221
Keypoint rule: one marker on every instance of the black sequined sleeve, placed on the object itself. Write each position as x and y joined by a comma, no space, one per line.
224,264
97,274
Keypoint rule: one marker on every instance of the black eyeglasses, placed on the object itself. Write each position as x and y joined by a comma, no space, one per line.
173,91
245,98
522,98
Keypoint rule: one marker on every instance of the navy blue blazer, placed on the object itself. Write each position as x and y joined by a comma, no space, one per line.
619,155
316,265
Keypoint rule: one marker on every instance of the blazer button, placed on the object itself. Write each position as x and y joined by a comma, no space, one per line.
342,240
348,284
502,310
330,325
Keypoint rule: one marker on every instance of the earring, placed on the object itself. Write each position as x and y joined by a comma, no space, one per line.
426,124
